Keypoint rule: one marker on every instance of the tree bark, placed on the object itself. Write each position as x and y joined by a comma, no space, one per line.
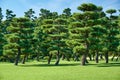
106,57
113,57
24,59
83,59
96,57
49,59
17,57
90,57
84,56
63,56
101,57
58,58
93,57
38,56
86,61
117,57
76,58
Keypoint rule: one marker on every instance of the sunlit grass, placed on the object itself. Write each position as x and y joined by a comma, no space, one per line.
65,71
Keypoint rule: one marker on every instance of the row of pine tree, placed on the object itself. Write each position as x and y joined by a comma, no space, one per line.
90,33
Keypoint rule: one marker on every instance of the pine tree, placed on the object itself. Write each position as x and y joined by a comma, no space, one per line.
112,27
30,14
18,39
1,33
9,16
59,35
96,35
82,27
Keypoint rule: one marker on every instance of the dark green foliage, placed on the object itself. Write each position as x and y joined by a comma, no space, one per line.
1,15
111,11
30,14
83,34
9,15
87,7
19,39
1,34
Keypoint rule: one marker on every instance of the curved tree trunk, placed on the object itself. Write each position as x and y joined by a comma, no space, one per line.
106,57
96,57
58,58
93,57
84,56
83,59
49,59
113,57
101,57
117,57
86,61
76,58
17,57
24,59
90,57
63,56
38,56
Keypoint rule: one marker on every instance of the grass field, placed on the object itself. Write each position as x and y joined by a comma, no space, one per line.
65,71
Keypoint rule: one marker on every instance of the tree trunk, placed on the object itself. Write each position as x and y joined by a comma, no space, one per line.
38,56
90,57
49,59
24,59
84,56
63,56
101,57
96,57
17,57
58,58
113,57
76,58
83,59
86,61
106,57
117,57
93,57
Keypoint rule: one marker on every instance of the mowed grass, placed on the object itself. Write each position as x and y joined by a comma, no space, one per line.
65,71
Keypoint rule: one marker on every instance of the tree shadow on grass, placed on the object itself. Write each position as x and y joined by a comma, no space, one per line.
90,64
109,65
48,65
115,64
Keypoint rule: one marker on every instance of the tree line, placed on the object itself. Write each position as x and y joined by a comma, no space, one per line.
90,33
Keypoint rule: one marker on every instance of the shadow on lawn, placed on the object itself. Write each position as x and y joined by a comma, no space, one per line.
49,65
109,65
115,64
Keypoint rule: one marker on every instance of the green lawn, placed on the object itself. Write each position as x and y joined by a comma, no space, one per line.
65,71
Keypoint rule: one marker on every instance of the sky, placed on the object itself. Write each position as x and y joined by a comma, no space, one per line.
21,6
